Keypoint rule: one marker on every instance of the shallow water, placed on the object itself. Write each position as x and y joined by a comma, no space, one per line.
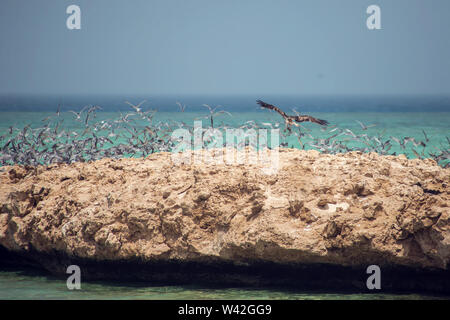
19,285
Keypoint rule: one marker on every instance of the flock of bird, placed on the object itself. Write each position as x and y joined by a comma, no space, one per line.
138,134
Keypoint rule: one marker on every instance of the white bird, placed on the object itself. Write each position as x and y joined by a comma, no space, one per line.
136,107
364,127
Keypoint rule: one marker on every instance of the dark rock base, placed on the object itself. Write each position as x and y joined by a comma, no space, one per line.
311,277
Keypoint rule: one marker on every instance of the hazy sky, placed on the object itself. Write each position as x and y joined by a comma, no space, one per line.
225,47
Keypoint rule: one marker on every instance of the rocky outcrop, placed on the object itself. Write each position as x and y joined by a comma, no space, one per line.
347,210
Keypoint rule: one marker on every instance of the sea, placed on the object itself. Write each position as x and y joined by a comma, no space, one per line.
386,116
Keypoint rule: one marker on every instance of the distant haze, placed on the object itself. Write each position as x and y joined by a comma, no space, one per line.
212,47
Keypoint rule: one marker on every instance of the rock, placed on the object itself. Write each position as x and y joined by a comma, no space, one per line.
203,196
331,229
371,211
323,203
166,194
295,206
360,189
232,214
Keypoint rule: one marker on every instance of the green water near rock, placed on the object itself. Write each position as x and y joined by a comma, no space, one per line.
17,285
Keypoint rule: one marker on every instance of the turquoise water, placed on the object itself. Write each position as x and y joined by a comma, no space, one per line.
436,124
387,124
16,285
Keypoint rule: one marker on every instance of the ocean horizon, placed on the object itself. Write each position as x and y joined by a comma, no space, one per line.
232,103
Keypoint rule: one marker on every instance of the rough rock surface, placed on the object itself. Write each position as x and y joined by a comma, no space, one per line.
348,209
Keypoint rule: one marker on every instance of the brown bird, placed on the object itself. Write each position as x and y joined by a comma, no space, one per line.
291,120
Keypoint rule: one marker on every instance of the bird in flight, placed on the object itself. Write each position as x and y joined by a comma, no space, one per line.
136,107
364,127
292,120
78,114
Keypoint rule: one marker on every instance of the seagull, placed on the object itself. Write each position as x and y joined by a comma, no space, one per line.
364,127
136,107
213,112
181,106
78,114
91,109
426,137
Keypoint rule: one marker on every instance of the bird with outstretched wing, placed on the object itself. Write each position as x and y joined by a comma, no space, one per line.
292,120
